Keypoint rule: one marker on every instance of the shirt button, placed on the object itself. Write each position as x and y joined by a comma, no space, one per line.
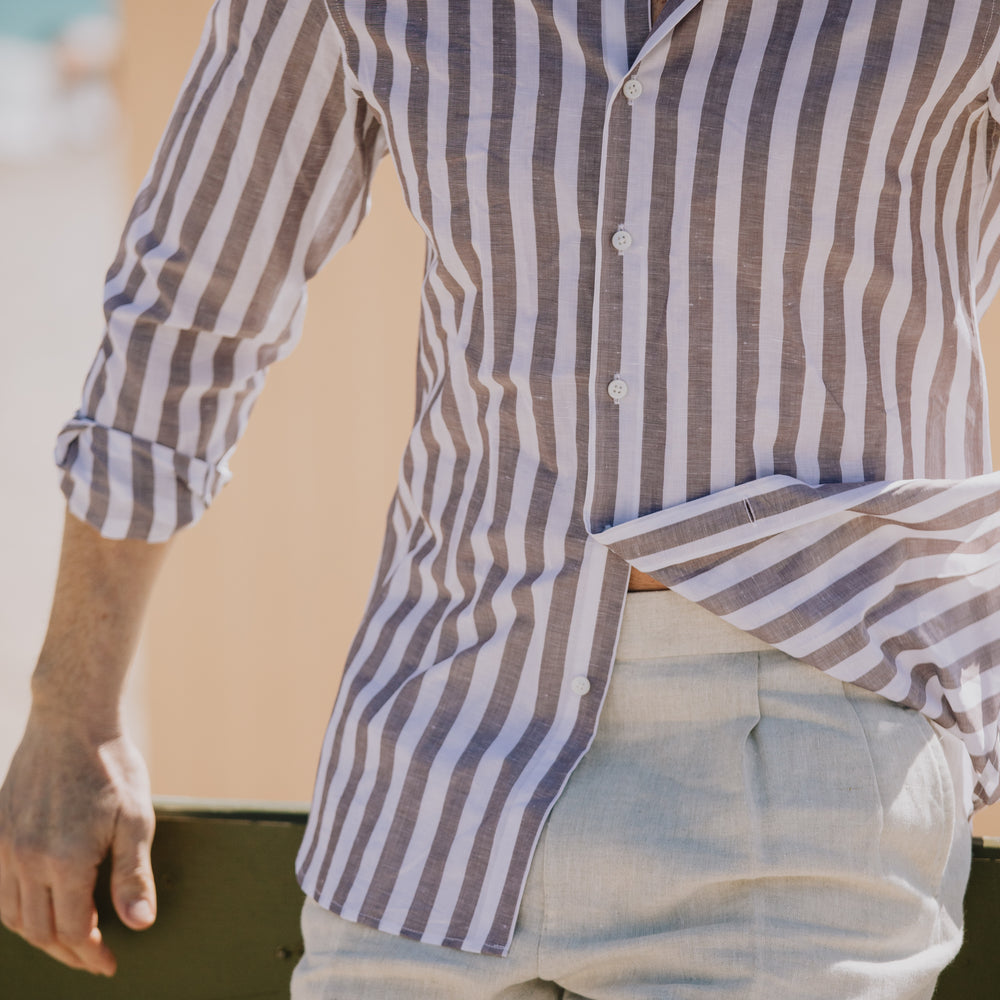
632,89
622,240
580,686
618,389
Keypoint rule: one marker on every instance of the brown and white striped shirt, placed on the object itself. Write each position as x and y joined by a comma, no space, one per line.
700,297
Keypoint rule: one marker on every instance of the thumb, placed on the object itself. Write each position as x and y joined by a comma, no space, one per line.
132,889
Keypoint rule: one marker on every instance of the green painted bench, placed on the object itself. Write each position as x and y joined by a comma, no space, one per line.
229,908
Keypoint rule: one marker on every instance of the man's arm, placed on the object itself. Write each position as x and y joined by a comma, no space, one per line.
263,173
77,788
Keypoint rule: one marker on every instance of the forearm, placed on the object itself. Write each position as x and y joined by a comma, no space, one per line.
101,595
77,789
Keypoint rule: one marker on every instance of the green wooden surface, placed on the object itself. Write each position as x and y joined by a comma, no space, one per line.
975,973
229,908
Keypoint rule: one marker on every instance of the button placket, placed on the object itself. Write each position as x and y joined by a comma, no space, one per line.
615,240
632,89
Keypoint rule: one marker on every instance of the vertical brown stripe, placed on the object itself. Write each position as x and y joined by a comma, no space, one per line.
656,464
812,112
750,238
701,253
864,118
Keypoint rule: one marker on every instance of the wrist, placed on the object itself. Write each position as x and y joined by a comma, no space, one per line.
92,710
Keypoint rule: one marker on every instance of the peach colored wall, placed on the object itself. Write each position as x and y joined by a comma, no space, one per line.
255,613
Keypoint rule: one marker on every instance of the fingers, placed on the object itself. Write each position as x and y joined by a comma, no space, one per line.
60,921
132,888
38,926
10,896
76,931
37,923
64,805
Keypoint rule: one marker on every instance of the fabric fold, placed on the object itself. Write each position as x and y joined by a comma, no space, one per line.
874,583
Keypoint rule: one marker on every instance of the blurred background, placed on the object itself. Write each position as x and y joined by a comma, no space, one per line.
254,615
256,611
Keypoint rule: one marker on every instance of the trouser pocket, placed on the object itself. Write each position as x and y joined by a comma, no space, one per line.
916,789
859,846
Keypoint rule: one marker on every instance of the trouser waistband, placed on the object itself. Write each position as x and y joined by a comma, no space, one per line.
660,623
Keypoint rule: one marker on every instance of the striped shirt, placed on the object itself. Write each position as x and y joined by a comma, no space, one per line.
701,297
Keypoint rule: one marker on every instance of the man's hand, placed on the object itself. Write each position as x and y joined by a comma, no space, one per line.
70,797
77,788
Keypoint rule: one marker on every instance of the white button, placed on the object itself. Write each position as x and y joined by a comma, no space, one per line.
622,240
580,685
618,389
632,89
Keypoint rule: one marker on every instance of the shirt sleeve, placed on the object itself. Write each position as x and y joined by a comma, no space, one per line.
988,272
263,173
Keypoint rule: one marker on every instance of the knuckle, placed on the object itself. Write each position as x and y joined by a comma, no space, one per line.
134,884
39,937
32,863
28,845
131,876
74,937
132,867
60,864
138,823
65,871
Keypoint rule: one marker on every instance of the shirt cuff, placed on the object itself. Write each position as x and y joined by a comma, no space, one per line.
129,487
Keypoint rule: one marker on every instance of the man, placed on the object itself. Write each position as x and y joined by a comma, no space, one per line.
699,313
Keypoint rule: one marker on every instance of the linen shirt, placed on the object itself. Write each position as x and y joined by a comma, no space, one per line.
700,297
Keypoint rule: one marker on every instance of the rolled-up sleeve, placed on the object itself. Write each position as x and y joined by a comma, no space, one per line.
263,173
